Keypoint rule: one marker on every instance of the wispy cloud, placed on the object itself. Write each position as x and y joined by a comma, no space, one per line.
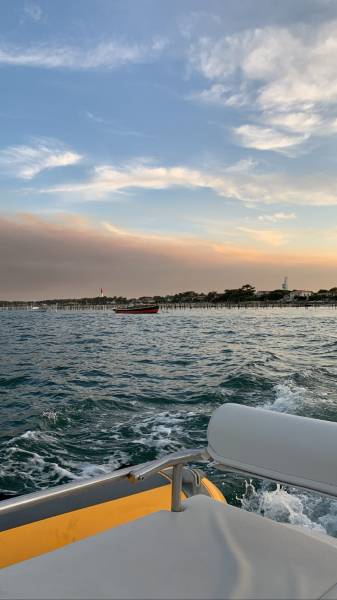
279,216
149,237
109,54
287,76
267,138
115,127
137,174
216,95
95,118
27,161
33,11
268,237
240,181
245,165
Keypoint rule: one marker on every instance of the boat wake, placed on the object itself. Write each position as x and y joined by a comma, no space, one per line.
289,398
33,461
302,509
289,505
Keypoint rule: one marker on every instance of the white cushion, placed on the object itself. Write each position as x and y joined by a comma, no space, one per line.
210,550
287,448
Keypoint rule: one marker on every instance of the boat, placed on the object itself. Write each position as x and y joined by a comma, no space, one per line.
161,529
39,307
140,309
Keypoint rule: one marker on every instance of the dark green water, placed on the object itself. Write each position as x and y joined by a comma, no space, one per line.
82,393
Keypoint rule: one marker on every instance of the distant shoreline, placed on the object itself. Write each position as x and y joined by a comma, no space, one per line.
244,296
169,306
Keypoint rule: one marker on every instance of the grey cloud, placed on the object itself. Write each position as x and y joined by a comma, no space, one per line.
39,260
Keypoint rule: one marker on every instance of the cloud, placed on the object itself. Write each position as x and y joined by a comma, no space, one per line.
118,231
280,216
137,174
96,118
114,126
240,182
266,236
109,54
220,95
296,122
216,94
266,138
287,76
74,258
244,165
25,162
194,22
33,11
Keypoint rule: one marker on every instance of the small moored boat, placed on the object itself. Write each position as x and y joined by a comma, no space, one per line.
140,309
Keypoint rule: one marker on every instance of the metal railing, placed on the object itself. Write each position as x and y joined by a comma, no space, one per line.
176,460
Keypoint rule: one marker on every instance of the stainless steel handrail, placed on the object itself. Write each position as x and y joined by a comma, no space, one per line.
34,497
180,457
175,460
133,473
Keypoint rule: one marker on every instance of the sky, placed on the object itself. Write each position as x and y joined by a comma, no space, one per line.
154,147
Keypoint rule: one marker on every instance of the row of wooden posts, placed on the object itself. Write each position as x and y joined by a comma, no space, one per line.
180,306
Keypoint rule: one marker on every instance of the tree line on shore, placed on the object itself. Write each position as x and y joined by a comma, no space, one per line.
246,293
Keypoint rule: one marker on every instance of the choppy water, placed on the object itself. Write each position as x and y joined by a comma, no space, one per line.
82,393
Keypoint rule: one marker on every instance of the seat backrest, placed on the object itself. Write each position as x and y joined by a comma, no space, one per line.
286,448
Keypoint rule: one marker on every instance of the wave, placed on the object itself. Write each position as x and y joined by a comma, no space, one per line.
165,431
289,398
302,509
23,471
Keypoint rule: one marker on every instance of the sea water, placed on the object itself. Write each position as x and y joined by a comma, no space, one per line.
85,392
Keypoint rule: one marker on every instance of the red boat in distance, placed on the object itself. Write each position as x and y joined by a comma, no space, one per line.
146,309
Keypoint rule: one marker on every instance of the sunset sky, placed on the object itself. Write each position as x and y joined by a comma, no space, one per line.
158,146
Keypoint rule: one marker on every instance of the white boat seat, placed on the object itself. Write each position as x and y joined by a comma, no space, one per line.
281,447
210,550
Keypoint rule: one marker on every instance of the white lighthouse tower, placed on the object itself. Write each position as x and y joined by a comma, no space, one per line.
285,284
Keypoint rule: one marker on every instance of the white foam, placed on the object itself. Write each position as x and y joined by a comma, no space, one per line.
289,397
88,470
50,415
159,430
301,509
165,430
31,435
291,506
37,436
39,471
61,471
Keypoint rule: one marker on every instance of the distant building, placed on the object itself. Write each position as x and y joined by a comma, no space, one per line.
299,294
331,293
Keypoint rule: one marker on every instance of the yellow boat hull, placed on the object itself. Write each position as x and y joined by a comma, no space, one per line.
51,524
